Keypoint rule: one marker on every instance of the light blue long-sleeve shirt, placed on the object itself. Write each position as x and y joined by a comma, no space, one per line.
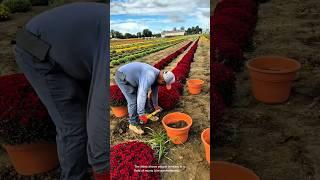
144,77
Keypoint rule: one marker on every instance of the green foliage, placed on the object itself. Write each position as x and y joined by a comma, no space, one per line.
146,33
131,58
136,56
4,12
18,5
122,60
115,62
159,142
194,30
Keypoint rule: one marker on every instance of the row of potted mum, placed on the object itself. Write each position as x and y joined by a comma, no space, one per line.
168,99
232,26
181,71
166,60
180,135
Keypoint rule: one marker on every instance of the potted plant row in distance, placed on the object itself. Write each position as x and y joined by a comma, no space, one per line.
26,130
177,125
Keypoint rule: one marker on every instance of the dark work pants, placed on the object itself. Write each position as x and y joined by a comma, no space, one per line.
80,116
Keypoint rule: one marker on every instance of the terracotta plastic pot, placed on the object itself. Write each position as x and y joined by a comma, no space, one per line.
120,111
228,171
30,159
177,135
272,77
205,137
195,86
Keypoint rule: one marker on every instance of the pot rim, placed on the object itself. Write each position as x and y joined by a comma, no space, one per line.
202,136
201,82
250,67
179,129
236,165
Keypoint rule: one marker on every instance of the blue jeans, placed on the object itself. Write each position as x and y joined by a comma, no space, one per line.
130,94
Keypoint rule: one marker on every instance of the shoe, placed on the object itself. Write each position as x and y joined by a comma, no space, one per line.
136,129
101,176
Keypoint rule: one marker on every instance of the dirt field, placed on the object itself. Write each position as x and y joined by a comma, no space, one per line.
191,154
279,142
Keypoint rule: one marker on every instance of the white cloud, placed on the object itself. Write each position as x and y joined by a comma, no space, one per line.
176,11
128,27
160,7
203,19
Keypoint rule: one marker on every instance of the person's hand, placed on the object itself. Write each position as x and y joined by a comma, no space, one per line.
157,108
143,119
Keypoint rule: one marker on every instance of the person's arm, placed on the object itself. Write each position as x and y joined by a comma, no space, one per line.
144,86
154,90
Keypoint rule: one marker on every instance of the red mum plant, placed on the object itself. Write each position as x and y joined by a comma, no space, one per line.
232,26
238,30
241,14
178,87
165,61
128,158
168,99
116,97
217,105
229,53
182,68
23,117
247,5
223,78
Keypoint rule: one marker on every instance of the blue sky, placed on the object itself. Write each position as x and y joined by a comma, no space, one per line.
133,16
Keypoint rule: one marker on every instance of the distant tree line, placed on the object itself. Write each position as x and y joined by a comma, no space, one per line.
144,33
194,30
148,33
